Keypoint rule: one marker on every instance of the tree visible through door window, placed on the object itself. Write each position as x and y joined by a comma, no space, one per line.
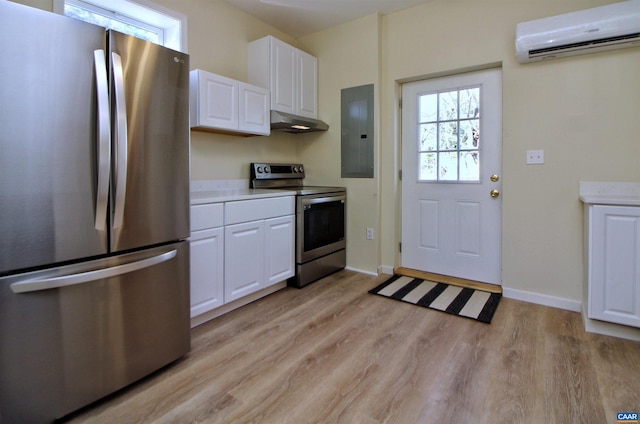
449,132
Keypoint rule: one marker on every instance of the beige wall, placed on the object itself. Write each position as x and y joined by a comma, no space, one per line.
218,42
348,56
582,111
41,4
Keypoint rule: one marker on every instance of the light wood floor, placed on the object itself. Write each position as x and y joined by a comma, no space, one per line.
332,353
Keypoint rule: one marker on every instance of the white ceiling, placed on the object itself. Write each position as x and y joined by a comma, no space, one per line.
302,17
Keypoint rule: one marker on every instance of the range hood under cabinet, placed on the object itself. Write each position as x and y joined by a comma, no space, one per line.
286,122
291,75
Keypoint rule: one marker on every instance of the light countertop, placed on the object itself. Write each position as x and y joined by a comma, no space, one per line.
621,194
215,196
215,191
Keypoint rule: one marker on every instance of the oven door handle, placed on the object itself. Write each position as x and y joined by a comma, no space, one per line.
316,200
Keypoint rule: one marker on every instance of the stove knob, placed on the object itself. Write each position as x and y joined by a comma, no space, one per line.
296,169
267,169
300,169
259,169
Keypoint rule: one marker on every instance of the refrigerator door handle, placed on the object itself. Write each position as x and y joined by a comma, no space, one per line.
96,274
103,139
121,142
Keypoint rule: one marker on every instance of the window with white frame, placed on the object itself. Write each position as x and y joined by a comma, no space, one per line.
140,18
449,128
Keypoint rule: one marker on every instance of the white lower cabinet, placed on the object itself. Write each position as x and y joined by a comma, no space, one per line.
279,237
614,263
258,253
244,259
252,251
207,257
207,270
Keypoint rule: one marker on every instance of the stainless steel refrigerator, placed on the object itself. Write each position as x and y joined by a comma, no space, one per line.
94,212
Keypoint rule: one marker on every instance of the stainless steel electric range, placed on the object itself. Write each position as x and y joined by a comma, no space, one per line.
320,220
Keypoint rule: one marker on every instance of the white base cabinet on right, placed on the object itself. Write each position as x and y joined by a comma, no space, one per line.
279,243
613,256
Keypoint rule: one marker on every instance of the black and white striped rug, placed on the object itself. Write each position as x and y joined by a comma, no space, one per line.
470,303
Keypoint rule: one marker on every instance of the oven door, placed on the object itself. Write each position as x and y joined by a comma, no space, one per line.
320,225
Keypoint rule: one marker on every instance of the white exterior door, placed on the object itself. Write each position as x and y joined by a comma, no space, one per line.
451,176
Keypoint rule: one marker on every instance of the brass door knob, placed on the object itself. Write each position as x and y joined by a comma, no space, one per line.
494,193
494,178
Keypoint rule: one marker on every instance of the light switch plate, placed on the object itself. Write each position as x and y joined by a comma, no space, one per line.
535,157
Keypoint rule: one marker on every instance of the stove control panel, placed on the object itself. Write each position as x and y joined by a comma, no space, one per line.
276,171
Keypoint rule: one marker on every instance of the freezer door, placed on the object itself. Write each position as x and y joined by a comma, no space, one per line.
150,112
72,335
48,167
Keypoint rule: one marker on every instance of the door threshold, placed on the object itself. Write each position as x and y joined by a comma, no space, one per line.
454,281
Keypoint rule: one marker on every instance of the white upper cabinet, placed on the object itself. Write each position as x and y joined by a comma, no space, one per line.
282,76
216,101
253,106
221,104
308,85
289,73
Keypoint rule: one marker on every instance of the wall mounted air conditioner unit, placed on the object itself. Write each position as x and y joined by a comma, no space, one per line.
588,31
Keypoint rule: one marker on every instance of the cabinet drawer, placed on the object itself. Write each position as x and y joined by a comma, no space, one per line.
207,216
252,210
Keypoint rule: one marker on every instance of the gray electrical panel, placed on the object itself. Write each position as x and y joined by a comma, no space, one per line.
357,132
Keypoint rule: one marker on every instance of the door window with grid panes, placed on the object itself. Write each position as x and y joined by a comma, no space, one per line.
449,136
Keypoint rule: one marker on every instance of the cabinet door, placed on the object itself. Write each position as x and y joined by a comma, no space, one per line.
254,109
614,286
284,79
243,259
207,270
217,101
279,249
307,85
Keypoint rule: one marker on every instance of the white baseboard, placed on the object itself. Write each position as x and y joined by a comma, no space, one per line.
590,325
542,299
361,271
385,269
